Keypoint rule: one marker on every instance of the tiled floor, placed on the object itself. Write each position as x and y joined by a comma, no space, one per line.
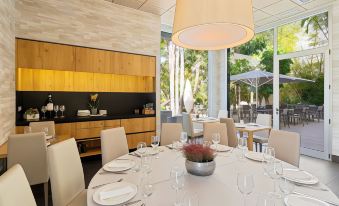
327,172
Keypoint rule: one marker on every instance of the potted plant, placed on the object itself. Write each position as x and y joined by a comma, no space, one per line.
199,159
31,114
94,103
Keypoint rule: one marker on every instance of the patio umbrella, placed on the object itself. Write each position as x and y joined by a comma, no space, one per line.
256,78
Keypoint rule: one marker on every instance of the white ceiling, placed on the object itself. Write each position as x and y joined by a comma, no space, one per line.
264,11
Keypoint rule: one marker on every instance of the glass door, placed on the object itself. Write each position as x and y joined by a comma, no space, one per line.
304,100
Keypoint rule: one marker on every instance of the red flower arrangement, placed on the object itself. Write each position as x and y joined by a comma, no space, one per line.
198,153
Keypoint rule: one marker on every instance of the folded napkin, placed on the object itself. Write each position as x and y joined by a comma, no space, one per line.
120,164
297,175
115,192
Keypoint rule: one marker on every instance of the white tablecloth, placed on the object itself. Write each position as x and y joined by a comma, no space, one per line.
217,189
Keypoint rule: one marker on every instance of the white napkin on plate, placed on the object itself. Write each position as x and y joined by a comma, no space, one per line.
120,164
297,175
115,192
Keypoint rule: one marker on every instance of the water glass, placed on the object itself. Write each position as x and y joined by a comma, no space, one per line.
145,186
191,199
286,187
269,154
183,137
216,140
27,129
245,184
276,173
242,145
146,163
141,148
177,182
265,200
56,109
62,109
43,110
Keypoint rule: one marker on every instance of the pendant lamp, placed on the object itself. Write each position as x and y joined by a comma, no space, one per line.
212,24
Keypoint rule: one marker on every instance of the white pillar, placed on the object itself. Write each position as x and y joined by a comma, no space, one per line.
217,82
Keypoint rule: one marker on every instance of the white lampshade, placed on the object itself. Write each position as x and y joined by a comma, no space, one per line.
212,24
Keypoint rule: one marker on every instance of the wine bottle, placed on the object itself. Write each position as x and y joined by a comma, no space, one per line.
49,105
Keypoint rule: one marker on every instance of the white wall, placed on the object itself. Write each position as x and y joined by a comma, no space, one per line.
335,78
7,71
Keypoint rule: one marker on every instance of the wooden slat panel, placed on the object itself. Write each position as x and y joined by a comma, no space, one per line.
43,80
93,60
102,82
65,129
82,125
112,123
83,82
57,56
134,139
88,133
148,66
24,79
64,80
133,125
29,54
96,124
149,123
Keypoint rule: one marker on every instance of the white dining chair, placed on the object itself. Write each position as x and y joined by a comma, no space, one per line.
30,151
286,145
262,136
188,126
39,126
223,114
113,144
15,189
170,132
231,131
66,174
216,127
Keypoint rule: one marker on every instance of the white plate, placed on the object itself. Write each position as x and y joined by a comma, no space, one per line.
238,125
119,165
178,146
256,156
115,200
150,151
298,200
300,176
253,124
221,148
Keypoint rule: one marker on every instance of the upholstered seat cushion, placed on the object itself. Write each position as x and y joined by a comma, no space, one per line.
80,199
259,139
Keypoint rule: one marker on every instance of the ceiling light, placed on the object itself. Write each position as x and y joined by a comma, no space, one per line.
212,24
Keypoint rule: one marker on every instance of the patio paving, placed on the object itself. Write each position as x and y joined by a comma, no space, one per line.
312,134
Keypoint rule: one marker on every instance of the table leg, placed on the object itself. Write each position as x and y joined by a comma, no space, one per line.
250,141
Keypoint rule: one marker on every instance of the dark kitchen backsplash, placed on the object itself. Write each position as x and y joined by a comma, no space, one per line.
114,103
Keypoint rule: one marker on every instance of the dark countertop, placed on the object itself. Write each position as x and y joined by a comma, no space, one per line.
85,119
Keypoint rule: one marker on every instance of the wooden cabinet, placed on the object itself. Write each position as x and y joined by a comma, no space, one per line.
92,60
29,54
56,56
133,125
108,124
43,80
134,139
24,79
148,66
63,81
85,130
65,129
101,82
83,81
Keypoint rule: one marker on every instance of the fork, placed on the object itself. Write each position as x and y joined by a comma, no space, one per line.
96,186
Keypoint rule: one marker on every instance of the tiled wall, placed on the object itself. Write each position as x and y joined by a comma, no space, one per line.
90,23
335,79
7,71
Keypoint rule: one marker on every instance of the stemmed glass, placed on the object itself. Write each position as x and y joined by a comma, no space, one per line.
56,109
245,184
183,138
268,158
276,173
43,110
177,182
191,199
146,186
155,144
62,109
216,140
242,145
141,149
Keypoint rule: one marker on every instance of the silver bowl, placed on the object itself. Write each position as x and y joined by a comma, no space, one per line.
200,168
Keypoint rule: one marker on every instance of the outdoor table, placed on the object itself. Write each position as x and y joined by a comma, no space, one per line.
219,189
250,129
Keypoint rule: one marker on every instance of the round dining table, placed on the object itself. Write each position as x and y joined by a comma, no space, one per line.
219,189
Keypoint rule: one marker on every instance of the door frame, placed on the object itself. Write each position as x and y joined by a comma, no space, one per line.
327,95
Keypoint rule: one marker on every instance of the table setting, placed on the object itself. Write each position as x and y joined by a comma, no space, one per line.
203,174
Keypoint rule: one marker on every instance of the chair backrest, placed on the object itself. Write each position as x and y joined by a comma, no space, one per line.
187,124
211,128
265,120
170,132
231,131
175,119
164,115
30,151
38,127
286,146
113,144
14,188
66,173
222,114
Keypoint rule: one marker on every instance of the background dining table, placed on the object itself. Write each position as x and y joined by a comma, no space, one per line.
250,129
218,189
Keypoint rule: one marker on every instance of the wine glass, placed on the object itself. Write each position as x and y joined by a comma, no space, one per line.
146,186
56,109
141,149
27,129
62,109
286,187
275,173
177,182
147,162
216,140
191,199
265,200
268,158
43,110
245,184
242,145
183,138
155,144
